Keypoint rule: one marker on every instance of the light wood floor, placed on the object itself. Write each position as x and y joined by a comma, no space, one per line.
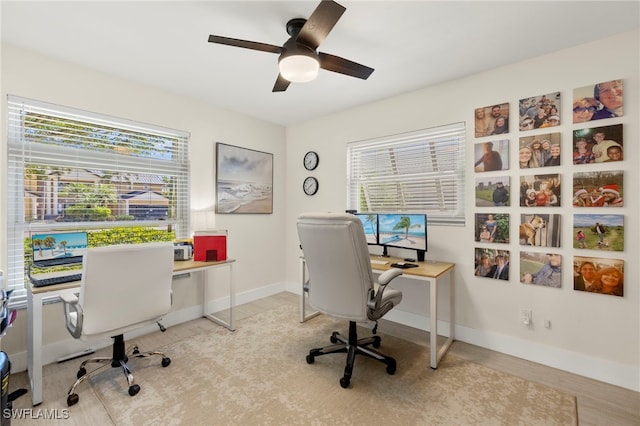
598,403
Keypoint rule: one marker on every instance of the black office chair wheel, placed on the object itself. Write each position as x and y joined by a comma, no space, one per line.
344,382
391,367
72,399
134,389
333,337
81,372
166,361
135,351
310,359
376,342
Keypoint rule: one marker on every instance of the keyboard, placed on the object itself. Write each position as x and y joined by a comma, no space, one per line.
55,280
378,262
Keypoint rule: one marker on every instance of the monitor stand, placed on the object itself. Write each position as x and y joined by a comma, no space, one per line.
385,253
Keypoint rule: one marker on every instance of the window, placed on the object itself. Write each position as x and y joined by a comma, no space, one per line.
71,170
416,172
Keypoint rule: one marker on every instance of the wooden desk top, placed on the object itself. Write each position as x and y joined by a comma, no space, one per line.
427,269
179,267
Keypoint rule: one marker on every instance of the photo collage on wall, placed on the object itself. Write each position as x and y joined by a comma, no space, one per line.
596,180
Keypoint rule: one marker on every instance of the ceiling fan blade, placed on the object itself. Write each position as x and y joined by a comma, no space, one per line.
281,84
263,47
343,66
320,23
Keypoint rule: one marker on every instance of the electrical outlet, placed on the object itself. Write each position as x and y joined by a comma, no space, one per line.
526,315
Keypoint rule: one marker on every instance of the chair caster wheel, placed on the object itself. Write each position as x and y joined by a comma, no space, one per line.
134,389
310,359
135,351
166,361
333,338
376,342
344,382
72,399
391,367
81,372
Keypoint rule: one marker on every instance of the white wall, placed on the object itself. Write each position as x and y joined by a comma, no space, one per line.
593,335
251,237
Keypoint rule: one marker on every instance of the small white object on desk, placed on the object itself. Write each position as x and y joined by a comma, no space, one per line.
379,262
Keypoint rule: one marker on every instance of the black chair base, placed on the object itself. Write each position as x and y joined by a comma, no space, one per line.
119,359
353,346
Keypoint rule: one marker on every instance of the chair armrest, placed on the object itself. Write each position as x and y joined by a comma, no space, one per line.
383,279
386,277
72,314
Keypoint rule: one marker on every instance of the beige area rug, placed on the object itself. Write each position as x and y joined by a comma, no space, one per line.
258,376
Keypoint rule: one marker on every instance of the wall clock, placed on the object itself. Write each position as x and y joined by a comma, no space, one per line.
311,160
310,185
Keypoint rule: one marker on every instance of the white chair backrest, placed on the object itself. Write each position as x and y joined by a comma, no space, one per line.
125,286
337,257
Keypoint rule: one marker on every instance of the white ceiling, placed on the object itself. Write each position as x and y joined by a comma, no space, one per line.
411,44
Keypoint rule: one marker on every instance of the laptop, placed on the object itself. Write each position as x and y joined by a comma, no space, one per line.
57,249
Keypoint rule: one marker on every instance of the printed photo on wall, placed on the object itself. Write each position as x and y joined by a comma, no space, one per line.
492,120
544,269
598,275
540,191
598,189
598,101
493,191
598,232
492,227
542,230
491,156
598,144
540,111
539,150
492,263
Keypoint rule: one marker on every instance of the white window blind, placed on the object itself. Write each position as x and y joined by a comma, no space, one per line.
75,170
415,172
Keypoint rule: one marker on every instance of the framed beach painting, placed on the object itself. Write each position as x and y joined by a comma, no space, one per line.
244,180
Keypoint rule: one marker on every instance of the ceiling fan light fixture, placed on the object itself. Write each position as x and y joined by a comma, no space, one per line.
299,65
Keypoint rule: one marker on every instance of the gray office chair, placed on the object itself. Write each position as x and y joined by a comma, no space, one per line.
341,284
123,288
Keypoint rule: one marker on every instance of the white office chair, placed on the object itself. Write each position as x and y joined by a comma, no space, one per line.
341,284
123,287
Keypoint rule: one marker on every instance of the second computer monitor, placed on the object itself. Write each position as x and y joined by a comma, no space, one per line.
402,230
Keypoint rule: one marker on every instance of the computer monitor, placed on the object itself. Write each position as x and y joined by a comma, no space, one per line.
370,224
63,248
406,231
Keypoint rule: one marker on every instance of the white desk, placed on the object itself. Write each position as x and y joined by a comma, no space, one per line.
36,296
427,271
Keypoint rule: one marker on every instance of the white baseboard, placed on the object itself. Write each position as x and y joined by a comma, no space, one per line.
626,376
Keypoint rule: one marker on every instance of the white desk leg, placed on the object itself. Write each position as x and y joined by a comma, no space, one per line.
436,355
433,293
34,342
303,297
232,300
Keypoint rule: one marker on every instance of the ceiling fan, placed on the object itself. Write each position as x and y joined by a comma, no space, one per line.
299,60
